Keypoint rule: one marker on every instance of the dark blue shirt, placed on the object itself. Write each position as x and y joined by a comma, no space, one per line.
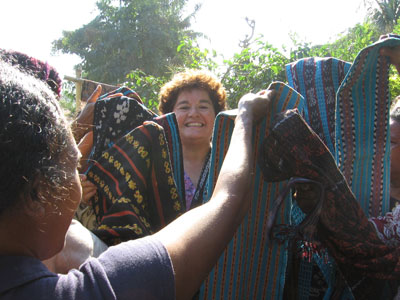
139,269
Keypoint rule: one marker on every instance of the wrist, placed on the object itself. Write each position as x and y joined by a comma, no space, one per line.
245,116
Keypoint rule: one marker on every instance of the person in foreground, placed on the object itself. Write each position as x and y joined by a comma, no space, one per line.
40,190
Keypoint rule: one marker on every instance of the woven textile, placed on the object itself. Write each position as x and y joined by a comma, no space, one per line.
355,126
114,117
362,128
250,268
317,80
365,103
292,149
138,180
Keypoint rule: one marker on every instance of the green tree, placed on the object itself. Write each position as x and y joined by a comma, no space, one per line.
147,86
189,55
384,13
128,35
350,43
253,69
67,100
346,46
394,77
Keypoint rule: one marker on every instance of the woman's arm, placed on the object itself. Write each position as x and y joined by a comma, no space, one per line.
196,239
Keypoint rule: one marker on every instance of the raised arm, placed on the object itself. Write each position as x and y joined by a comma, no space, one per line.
196,239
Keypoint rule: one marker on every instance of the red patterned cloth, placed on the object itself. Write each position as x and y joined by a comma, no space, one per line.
368,266
135,165
388,227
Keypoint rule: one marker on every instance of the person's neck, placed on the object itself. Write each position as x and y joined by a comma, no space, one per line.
193,160
12,239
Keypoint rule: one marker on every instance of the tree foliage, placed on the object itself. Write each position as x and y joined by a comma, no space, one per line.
136,34
384,14
189,56
254,67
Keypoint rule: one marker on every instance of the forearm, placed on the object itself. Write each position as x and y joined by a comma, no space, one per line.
196,239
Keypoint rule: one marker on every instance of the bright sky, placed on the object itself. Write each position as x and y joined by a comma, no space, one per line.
30,26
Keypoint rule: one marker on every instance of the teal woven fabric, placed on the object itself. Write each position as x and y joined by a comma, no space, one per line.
362,128
317,80
250,268
348,107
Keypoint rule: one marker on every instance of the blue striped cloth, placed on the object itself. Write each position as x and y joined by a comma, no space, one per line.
249,267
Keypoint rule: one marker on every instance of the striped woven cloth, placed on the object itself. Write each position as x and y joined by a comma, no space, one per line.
360,114
250,268
362,128
348,107
317,80
137,167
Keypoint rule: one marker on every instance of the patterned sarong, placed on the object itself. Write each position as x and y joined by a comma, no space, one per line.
317,80
362,129
250,268
253,268
293,150
137,167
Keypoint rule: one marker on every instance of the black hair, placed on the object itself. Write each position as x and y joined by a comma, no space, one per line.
33,136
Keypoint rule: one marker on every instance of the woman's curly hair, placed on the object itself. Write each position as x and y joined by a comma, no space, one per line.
189,80
33,137
35,67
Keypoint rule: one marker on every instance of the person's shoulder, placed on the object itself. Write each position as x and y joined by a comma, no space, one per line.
131,267
22,275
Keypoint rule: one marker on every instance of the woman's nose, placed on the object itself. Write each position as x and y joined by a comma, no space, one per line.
193,111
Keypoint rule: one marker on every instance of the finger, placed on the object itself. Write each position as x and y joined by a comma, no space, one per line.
115,95
95,95
262,92
384,36
82,177
87,196
86,184
271,93
86,144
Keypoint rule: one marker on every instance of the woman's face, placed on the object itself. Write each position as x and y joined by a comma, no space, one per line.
195,114
395,154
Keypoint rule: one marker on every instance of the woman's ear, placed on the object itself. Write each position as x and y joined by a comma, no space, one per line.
33,204
34,208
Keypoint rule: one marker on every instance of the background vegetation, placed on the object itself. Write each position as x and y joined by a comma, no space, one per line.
141,43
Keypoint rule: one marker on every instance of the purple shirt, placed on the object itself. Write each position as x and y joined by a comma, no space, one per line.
139,269
190,189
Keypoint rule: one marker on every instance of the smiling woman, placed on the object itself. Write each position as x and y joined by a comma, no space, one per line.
40,190
196,97
195,115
